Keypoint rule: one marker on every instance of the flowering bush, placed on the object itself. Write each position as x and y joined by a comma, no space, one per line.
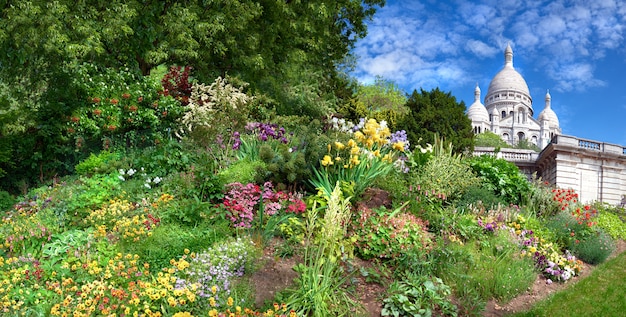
122,220
369,154
121,107
243,202
549,259
212,107
214,270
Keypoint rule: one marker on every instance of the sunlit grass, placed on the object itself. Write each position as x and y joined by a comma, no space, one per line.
600,294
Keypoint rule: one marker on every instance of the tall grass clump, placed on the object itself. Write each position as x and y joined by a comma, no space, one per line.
320,288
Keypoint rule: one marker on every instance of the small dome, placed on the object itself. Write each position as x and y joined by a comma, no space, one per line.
477,111
547,114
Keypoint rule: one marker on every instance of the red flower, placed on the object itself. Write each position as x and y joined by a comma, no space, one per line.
114,101
126,96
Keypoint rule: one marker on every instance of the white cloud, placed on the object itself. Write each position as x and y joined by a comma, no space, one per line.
575,76
481,49
433,42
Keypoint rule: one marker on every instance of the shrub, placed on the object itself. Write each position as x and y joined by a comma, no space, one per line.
418,295
386,234
446,173
242,171
612,225
214,109
104,162
479,194
541,200
502,177
594,248
6,200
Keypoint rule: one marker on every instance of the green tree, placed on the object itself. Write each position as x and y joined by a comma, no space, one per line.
435,112
490,139
274,45
382,100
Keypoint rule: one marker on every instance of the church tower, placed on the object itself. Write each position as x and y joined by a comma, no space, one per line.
508,109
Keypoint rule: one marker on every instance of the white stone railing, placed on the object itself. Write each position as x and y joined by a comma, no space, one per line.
589,144
511,155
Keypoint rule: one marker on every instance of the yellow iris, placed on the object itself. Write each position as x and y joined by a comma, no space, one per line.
327,160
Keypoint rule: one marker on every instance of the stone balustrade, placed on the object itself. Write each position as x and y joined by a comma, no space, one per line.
511,155
589,144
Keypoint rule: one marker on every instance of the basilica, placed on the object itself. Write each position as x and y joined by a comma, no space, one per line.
508,109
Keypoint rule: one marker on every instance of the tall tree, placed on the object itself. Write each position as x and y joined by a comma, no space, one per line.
438,112
273,45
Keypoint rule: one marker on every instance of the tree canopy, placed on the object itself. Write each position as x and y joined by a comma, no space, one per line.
289,51
438,112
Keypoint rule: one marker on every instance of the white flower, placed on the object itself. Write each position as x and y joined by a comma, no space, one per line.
131,172
156,180
148,181
121,178
147,185
122,171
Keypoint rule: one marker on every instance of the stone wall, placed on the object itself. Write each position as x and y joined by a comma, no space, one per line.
596,170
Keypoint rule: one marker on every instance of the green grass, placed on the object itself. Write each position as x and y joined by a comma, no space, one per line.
600,294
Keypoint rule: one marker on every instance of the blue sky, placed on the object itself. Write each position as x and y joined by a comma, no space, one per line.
574,48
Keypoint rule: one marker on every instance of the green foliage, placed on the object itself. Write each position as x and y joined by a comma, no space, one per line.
595,248
490,139
437,112
162,159
446,173
479,194
540,199
188,212
319,290
6,200
169,241
243,171
104,162
491,266
418,296
611,224
386,234
502,177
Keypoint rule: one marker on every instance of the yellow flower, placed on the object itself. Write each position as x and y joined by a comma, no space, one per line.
398,146
339,146
387,158
354,160
327,160
355,150
230,301
351,143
